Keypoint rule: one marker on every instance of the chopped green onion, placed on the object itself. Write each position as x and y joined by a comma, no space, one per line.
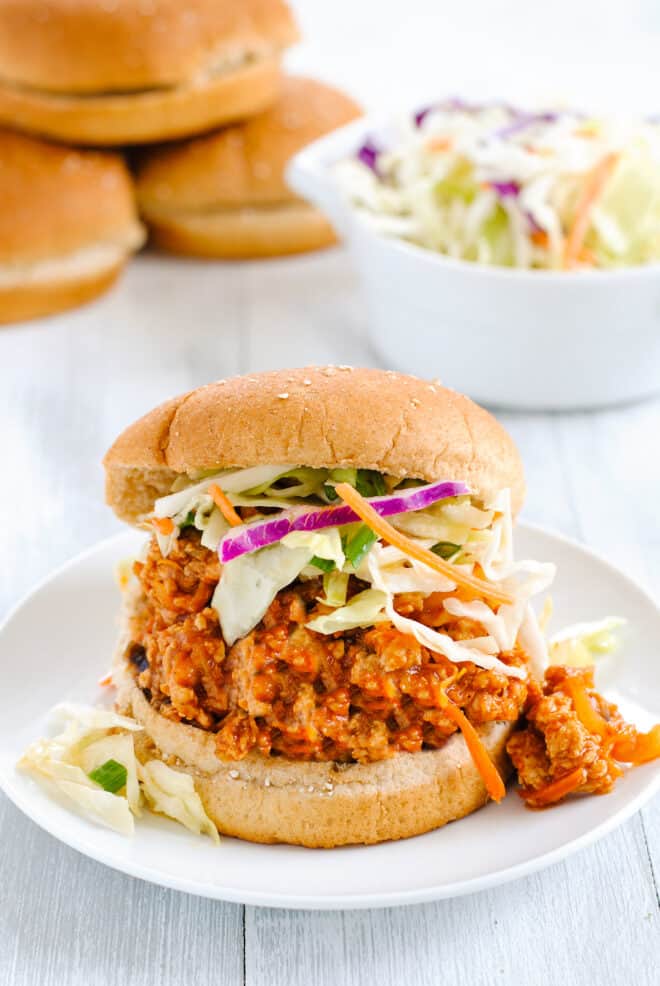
379,484
189,521
446,549
359,545
111,776
344,476
325,564
330,493
369,482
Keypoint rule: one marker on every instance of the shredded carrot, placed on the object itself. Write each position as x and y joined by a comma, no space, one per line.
555,790
641,749
587,256
589,130
489,772
540,238
592,721
164,525
635,749
105,681
593,188
224,506
438,144
385,530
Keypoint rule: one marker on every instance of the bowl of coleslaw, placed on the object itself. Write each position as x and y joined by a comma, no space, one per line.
514,254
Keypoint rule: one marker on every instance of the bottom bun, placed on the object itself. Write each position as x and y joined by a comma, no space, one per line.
244,233
319,804
35,297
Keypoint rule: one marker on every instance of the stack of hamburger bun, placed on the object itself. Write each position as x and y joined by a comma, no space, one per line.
202,81
224,194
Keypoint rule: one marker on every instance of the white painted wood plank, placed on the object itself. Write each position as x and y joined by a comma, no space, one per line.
302,311
576,924
67,921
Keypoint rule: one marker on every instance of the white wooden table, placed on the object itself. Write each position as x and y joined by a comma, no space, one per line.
67,387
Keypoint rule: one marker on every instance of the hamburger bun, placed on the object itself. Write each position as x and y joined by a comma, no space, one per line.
318,804
319,417
67,225
324,417
127,72
224,194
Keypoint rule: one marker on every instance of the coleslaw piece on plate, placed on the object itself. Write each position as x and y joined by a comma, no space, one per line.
93,765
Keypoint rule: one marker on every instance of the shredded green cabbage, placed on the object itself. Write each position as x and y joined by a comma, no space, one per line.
90,739
581,644
250,583
364,610
496,185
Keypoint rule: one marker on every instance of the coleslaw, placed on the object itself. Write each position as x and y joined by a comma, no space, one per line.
500,186
301,527
93,766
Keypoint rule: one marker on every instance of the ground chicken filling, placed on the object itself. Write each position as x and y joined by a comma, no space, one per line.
575,741
360,695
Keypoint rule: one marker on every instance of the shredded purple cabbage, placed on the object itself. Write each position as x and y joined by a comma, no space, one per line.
533,225
368,154
505,189
453,104
243,540
421,115
522,121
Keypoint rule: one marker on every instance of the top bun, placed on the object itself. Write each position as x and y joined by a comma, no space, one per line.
243,164
56,200
92,46
316,416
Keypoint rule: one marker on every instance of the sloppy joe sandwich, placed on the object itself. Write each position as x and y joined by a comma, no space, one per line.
224,194
67,225
327,628
135,72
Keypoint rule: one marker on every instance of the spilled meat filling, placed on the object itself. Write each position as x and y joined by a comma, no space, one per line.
360,695
575,740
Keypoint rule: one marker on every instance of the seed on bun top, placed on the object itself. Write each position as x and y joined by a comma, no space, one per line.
323,417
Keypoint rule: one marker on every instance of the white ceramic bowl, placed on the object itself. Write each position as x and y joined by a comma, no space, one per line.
513,338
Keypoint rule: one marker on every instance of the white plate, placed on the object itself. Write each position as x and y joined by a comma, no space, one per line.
57,643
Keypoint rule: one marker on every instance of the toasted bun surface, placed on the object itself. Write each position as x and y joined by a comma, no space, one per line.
67,224
147,115
315,416
95,47
319,805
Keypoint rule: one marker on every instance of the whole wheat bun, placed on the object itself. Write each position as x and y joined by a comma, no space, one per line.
319,805
244,234
224,194
67,225
91,72
322,417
